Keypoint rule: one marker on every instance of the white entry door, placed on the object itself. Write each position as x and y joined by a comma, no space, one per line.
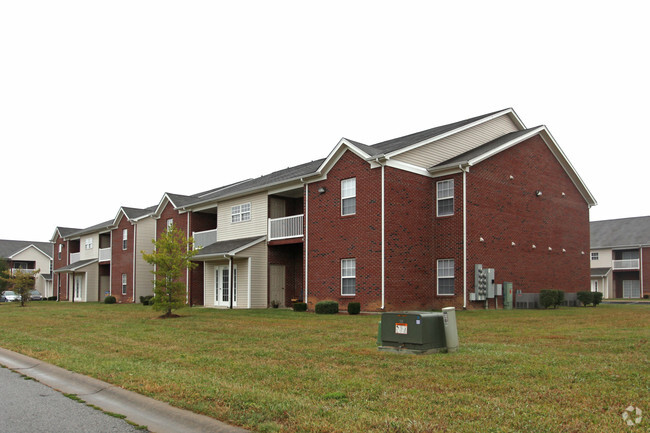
78,281
631,289
277,284
222,286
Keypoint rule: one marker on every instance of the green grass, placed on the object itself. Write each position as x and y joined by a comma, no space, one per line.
565,370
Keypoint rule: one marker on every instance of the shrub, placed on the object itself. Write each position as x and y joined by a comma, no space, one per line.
299,306
327,307
547,298
598,298
646,296
559,298
110,300
354,308
585,298
146,300
51,298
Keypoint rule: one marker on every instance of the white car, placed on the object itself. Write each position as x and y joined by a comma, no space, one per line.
9,296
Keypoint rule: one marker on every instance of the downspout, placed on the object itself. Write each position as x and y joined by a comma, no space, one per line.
383,230
135,237
641,268
306,250
187,270
464,169
231,281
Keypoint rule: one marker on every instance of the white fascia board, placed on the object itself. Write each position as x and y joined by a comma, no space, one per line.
287,186
505,146
161,205
407,167
337,152
118,217
55,235
227,254
568,167
457,130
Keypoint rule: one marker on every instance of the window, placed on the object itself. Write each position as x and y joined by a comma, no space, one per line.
446,277
60,249
125,238
348,277
594,256
88,243
170,224
445,197
241,212
349,196
124,284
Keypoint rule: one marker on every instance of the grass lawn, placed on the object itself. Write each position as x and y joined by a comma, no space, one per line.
565,370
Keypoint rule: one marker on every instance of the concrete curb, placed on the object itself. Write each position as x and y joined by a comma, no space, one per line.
159,417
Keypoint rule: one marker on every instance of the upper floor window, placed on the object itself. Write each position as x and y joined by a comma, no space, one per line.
446,277
348,277
60,249
125,238
170,223
88,244
349,196
445,197
241,212
594,256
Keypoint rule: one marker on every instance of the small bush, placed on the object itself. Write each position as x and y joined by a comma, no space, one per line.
547,298
585,298
110,300
559,297
327,307
299,306
354,308
598,298
146,300
51,298
646,296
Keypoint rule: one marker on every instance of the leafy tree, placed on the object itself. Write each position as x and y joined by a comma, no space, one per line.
4,275
22,282
172,255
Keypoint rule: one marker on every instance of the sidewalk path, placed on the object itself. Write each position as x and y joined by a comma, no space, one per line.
159,417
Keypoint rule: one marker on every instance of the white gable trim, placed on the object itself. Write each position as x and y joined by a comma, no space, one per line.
28,247
336,154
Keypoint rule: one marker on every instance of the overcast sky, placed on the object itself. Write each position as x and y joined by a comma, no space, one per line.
104,104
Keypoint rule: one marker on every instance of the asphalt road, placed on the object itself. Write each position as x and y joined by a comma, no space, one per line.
31,407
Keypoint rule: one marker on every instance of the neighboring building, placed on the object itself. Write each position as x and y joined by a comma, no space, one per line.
29,256
620,257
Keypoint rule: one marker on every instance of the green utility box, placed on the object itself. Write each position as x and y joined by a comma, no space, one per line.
507,295
412,332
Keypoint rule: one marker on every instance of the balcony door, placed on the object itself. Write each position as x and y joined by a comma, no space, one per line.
631,289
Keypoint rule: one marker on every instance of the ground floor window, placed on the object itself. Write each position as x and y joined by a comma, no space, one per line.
348,277
446,277
124,284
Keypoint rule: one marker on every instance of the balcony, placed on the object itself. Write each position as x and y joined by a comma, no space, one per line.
286,227
16,271
105,254
204,238
75,257
628,264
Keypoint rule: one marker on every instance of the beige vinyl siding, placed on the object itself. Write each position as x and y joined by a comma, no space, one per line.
42,263
259,270
439,151
90,283
257,226
92,253
209,284
146,230
604,258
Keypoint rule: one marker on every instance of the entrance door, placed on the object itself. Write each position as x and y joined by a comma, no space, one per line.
222,286
631,289
78,280
277,273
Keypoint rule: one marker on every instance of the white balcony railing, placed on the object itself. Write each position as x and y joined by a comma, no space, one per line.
286,228
15,271
204,238
75,257
626,264
104,254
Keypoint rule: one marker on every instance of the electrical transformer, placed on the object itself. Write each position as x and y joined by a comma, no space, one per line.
413,332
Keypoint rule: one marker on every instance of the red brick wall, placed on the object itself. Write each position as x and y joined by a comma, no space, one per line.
333,237
180,221
502,210
645,270
122,261
59,263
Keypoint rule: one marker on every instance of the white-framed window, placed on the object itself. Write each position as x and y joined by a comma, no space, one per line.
445,197
60,250
88,243
594,256
170,223
348,277
349,196
125,238
124,284
446,276
240,212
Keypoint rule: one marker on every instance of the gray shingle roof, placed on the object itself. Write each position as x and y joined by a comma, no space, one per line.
226,247
132,212
76,265
92,229
10,247
600,272
624,232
